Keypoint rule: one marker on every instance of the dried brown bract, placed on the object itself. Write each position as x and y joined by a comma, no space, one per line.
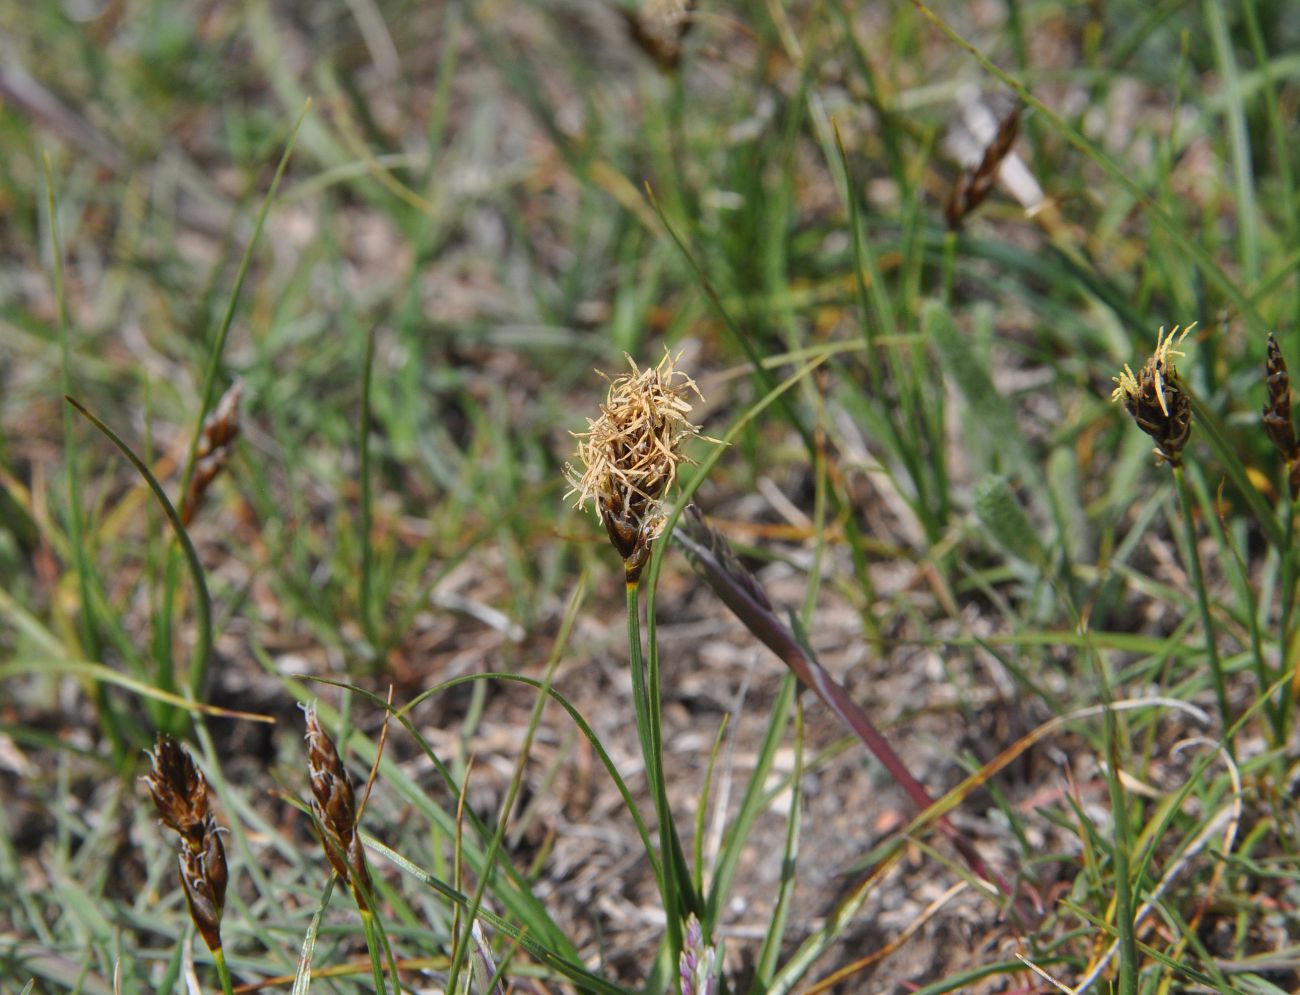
180,793
220,431
335,807
974,185
1156,398
699,533
1277,413
630,454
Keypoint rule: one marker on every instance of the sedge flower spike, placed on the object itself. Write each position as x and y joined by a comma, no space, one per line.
1156,398
627,459
1277,413
334,804
180,794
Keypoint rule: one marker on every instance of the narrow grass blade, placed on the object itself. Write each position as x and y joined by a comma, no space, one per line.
203,603
302,979
91,644
744,601
772,942
366,595
1243,170
1121,841
1229,456
208,393
98,672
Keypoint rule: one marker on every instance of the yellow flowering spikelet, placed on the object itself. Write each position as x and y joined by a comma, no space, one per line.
1156,399
628,457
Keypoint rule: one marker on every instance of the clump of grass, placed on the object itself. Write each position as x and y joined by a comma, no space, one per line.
180,794
630,455
1160,403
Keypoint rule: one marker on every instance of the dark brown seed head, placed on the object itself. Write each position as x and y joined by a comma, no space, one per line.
204,876
180,792
659,27
1277,412
1157,400
335,807
220,431
974,185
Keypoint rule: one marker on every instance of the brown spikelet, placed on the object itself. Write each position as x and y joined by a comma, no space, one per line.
220,430
1157,400
180,793
974,185
1277,413
630,454
334,804
659,27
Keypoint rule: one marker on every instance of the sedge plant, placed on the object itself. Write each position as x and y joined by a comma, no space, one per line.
629,459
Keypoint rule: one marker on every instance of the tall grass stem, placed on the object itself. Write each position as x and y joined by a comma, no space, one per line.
647,721
223,971
1203,601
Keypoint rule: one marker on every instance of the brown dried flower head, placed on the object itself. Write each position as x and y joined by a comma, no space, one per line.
1277,414
180,793
220,430
629,455
1156,398
974,184
335,807
179,789
659,27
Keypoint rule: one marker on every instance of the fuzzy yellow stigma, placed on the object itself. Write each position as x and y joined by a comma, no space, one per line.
1156,398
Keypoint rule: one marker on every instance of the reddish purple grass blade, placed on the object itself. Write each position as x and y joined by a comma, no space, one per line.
740,591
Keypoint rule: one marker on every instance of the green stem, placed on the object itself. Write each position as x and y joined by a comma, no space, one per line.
1128,958
1282,717
1203,603
375,949
223,971
645,701
368,625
